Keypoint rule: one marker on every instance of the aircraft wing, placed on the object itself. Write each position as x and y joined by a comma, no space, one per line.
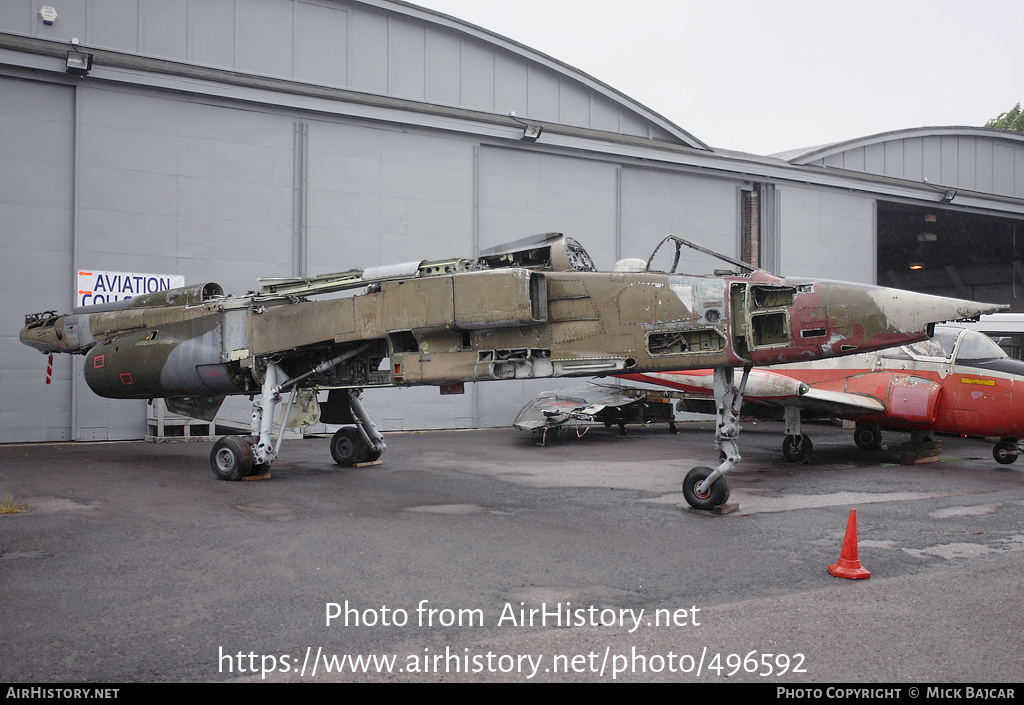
552,409
833,403
769,387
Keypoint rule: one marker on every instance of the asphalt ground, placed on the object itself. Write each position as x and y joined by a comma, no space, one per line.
135,564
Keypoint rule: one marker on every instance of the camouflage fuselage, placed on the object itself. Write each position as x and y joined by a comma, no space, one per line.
506,323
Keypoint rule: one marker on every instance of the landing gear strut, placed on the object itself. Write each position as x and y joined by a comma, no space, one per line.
361,443
704,488
234,457
796,446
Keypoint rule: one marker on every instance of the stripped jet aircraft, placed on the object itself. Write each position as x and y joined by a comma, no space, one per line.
531,309
958,382
602,404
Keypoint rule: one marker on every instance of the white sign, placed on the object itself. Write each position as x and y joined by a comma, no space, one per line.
48,14
97,287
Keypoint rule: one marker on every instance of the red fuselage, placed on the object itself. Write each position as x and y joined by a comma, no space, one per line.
959,382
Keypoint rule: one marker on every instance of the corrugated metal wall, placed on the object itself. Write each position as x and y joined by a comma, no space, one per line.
338,44
704,210
36,206
827,234
959,161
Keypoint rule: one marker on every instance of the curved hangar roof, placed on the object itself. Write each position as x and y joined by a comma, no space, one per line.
383,53
978,159
498,74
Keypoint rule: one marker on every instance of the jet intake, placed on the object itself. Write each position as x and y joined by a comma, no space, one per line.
148,364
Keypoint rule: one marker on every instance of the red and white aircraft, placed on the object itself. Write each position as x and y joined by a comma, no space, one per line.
958,382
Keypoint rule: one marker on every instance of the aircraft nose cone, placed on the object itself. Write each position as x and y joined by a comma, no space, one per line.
911,313
850,318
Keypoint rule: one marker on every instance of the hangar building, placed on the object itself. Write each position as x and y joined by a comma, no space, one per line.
226,140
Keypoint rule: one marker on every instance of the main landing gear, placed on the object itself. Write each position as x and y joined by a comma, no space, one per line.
796,446
236,457
1006,451
703,487
868,437
231,458
361,443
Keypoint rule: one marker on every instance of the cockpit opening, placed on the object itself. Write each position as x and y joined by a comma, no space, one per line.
972,346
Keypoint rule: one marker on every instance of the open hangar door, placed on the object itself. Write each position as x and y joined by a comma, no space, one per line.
949,252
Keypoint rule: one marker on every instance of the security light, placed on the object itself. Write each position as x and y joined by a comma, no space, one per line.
531,133
79,63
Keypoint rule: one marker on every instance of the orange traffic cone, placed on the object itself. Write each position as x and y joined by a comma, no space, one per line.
849,565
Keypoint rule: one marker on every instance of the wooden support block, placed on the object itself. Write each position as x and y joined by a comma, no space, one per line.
921,461
918,453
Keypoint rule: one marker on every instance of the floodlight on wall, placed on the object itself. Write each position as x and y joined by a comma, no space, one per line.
531,133
79,63
948,196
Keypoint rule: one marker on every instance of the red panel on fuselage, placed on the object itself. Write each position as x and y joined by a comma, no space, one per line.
914,400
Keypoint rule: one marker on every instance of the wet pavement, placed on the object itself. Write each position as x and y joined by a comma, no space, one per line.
135,564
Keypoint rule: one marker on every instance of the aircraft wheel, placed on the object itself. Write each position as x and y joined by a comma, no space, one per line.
1005,452
718,494
231,458
796,448
348,447
867,437
372,455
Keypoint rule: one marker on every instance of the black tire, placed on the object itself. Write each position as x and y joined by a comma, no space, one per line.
261,468
718,494
372,455
1005,452
348,447
797,448
867,437
231,458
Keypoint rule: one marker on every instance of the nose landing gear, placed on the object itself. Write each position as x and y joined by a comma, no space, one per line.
704,488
